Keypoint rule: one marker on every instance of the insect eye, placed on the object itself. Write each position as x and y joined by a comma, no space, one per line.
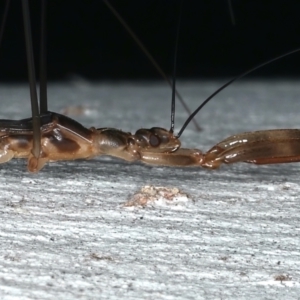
154,140
131,141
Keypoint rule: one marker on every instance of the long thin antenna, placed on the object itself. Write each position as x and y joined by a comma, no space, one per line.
43,60
174,71
228,83
4,18
150,57
231,12
32,82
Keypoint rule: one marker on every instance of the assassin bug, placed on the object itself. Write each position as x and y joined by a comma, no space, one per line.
49,136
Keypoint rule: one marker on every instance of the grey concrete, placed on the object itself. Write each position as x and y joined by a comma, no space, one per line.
65,233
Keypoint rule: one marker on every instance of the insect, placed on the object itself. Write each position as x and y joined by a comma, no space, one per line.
49,136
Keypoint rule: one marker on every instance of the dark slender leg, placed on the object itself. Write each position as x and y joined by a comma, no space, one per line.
32,82
43,61
4,19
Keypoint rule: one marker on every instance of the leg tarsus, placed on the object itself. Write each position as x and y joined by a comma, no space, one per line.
34,164
212,158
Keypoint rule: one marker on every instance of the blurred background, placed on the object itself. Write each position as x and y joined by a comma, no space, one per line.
86,40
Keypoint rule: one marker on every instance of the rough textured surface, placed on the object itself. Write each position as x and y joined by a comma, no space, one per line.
65,232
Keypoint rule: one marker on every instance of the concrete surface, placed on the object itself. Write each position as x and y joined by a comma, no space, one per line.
66,234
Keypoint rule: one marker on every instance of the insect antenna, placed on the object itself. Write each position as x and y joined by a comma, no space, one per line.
32,82
150,57
173,102
232,18
230,82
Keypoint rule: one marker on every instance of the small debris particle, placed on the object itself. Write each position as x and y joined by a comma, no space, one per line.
12,257
150,194
224,258
282,277
95,256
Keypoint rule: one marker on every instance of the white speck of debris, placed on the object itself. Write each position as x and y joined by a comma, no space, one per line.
160,196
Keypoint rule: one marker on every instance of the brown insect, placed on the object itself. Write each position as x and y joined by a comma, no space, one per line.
49,136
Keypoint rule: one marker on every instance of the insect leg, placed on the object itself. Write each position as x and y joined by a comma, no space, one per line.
4,17
259,147
36,149
43,60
